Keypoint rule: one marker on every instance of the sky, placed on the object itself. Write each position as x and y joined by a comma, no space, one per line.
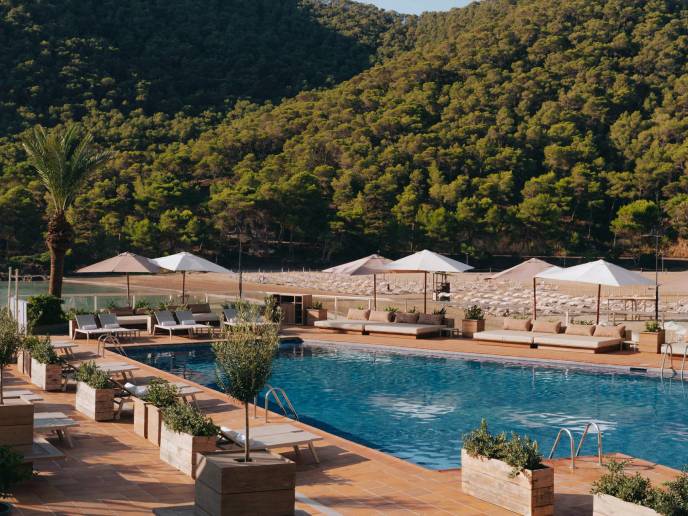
418,6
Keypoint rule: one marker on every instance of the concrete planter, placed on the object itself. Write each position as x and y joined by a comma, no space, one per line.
225,485
606,505
46,376
471,326
181,450
16,423
140,417
530,492
315,314
651,342
98,404
153,424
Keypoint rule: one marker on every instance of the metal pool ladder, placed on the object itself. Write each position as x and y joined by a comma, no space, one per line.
580,444
282,400
668,352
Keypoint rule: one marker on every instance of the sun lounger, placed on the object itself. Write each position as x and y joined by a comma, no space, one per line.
203,314
185,390
274,436
86,325
24,394
56,422
167,322
109,322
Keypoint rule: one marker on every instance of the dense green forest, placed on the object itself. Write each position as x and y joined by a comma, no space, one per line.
321,129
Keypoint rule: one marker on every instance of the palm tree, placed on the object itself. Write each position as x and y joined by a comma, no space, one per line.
64,160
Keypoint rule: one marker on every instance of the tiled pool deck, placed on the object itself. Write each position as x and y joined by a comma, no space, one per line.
111,470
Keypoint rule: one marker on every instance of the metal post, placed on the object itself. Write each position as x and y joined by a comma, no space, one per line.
657,277
95,303
534,298
9,287
16,294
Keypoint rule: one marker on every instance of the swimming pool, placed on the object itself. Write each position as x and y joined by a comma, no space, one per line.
417,406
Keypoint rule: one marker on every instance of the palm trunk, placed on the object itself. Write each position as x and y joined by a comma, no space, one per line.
56,272
247,440
58,240
2,397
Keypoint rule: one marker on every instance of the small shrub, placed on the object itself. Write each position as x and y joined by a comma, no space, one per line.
392,309
673,501
582,322
653,326
43,352
413,310
474,313
143,303
10,340
440,311
272,311
162,393
45,310
183,418
28,342
90,374
634,489
317,305
12,471
518,452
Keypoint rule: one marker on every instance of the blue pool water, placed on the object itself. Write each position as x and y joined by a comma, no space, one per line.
416,407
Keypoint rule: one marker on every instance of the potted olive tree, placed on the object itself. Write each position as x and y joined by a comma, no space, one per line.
13,471
185,433
473,321
46,366
492,465
94,393
244,361
651,340
24,354
147,410
10,338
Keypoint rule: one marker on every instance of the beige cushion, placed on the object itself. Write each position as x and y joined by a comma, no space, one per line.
610,331
541,326
577,341
580,329
340,324
517,324
404,318
357,315
436,319
505,336
380,316
404,329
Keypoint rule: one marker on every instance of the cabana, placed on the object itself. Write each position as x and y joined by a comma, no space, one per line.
372,264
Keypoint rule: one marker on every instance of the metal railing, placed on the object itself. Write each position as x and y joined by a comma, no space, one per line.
276,392
556,443
577,451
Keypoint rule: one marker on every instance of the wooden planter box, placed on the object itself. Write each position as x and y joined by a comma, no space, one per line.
606,505
226,485
140,417
651,342
315,314
98,404
180,450
24,362
153,424
16,423
471,326
46,376
530,492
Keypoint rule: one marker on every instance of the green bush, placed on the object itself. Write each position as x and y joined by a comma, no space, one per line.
519,452
674,500
44,310
653,326
316,305
392,309
162,393
183,418
440,311
13,471
43,352
90,374
273,312
474,313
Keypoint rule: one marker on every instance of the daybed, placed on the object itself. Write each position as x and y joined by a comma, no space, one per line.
367,321
551,335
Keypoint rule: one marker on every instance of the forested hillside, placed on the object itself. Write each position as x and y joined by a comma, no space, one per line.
529,126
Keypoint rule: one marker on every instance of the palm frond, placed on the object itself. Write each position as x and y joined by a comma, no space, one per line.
63,160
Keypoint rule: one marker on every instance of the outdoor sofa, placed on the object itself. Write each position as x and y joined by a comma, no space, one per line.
375,321
552,335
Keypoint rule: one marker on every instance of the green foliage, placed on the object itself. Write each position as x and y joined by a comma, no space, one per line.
316,305
440,311
634,489
653,326
272,312
45,310
673,499
184,418
474,313
519,452
13,471
392,309
43,352
90,374
161,393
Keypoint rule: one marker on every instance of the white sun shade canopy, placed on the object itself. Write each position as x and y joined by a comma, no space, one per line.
598,272
426,261
123,262
524,271
187,262
373,264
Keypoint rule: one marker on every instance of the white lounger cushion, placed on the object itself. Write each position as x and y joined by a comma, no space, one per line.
505,336
403,328
576,341
341,324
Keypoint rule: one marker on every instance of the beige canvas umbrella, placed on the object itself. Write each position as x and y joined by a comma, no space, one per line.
525,272
126,263
372,264
426,261
187,262
598,273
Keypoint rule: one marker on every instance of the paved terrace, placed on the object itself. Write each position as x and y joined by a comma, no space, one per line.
111,470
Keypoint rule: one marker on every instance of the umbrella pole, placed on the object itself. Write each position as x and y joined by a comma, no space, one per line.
425,292
128,295
599,293
183,285
374,291
534,298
